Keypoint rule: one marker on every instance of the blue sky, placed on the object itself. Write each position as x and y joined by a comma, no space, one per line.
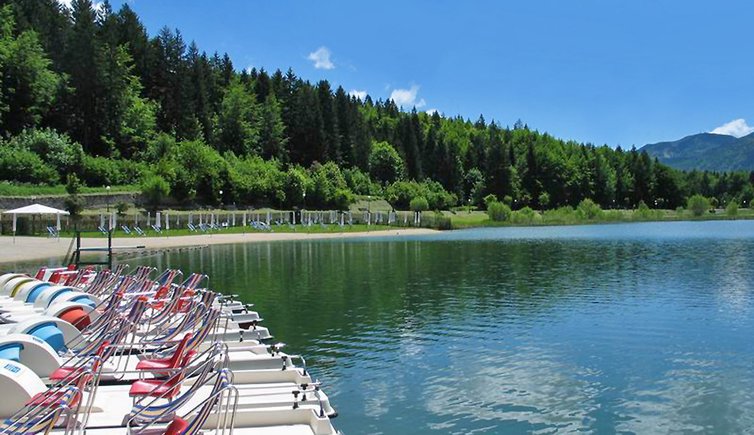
616,72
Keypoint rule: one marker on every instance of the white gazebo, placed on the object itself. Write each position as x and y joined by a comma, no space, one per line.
35,209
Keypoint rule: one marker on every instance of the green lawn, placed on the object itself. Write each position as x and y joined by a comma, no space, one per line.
15,189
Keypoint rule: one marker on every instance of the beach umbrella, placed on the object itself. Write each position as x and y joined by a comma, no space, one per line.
268,218
234,219
244,219
149,215
167,222
157,219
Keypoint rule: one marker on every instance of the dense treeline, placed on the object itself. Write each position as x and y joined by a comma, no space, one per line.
89,92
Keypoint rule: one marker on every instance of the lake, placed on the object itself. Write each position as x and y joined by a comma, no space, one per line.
636,328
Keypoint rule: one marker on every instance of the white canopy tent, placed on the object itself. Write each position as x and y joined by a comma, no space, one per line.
35,209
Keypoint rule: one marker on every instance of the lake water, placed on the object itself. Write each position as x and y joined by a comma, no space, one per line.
643,328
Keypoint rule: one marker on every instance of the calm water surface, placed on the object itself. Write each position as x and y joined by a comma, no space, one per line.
635,328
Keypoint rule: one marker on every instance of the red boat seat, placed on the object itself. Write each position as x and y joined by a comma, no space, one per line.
160,387
168,363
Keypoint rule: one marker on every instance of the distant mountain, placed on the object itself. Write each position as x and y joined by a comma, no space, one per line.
715,152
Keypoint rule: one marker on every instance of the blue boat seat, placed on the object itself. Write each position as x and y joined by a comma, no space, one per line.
11,351
51,334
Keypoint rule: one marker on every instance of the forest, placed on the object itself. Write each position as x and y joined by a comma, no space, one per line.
87,95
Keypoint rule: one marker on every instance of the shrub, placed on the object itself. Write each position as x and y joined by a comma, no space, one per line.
643,211
499,212
25,166
74,204
525,216
255,181
342,199
732,208
155,189
419,204
54,148
698,205
400,194
589,209
121,208
103,171
489,199
358,181
544,199
508,200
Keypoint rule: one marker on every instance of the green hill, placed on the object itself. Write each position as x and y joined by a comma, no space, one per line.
706,151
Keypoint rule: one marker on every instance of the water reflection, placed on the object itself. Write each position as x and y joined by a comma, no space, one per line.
601,329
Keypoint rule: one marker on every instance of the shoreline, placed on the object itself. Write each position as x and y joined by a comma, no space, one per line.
30,248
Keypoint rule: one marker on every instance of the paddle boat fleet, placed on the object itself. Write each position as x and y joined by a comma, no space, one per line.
106,352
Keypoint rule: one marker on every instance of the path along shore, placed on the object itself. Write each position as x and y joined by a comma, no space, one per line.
41,248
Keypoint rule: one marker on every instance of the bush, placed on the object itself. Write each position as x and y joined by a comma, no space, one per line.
294,185
698,205
25,166
357,181
121,208
54,148
155,189
589,209
525,216
732,209
255,181
74,204
419,204
326,181
342,199
103,171
489,199
498,211
400,194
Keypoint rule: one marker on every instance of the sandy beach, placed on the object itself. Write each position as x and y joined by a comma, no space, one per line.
41,248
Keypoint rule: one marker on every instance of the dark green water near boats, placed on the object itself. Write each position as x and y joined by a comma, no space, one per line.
636,328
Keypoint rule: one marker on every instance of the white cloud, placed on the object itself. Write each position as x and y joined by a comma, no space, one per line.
737,128
432,111
361,95
248,69
321,58
407,97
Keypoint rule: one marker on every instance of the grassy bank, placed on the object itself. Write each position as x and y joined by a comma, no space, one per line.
313,229
465,219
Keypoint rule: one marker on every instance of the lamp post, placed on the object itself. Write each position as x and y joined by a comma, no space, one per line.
107,199
221,198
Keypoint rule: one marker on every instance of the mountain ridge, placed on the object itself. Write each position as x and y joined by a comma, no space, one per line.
706,151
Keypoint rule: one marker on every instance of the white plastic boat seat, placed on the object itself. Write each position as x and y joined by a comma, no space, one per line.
56,332
4,278
53,293
35,353
11,287
18,385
